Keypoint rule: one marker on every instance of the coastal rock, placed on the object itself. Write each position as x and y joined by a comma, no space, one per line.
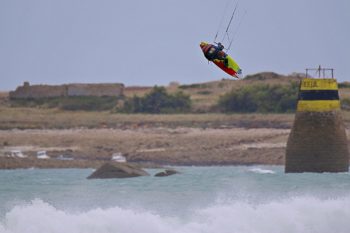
117,170
167,172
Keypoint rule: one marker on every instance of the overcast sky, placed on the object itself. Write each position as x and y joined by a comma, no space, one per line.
149,42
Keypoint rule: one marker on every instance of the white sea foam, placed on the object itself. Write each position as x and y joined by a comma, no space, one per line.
261,171
301,214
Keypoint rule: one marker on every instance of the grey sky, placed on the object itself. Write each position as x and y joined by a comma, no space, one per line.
152,42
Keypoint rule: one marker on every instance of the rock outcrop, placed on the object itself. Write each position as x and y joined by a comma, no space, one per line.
117,170
167,172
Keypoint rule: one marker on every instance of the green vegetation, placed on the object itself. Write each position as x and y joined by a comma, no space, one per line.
344,85
221,85
193,86
158,101
261,98
345,103
73,103
270,95
204,92
51,118
91,103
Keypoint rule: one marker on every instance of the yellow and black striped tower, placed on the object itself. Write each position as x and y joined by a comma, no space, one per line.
317,142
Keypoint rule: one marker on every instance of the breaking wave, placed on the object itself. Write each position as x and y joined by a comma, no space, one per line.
261,171
301,214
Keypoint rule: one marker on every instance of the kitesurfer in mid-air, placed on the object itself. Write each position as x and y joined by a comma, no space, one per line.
212,52
215,54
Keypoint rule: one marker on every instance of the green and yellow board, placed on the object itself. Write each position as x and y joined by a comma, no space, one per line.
229,66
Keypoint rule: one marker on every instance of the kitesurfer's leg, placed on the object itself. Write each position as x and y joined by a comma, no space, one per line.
226,62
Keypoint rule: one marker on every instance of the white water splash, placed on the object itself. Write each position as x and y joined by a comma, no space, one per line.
298,215
261,171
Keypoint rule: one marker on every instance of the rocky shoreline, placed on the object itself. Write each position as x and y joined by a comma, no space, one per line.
150,145
156,146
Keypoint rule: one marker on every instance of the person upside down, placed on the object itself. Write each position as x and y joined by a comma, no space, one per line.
212,52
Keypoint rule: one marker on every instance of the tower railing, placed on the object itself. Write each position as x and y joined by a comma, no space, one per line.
320,72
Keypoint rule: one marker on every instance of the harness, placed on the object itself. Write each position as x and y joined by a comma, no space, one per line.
211,54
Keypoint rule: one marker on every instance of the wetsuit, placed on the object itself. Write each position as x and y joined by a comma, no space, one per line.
212,52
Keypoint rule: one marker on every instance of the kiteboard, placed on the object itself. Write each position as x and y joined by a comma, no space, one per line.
229,66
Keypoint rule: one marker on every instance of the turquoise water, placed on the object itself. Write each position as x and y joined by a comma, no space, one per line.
199,200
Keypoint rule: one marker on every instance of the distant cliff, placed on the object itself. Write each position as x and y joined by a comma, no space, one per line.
28,91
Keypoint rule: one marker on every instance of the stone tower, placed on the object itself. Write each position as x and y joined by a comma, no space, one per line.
317,142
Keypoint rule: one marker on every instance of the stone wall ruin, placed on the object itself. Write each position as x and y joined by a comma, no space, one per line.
28,91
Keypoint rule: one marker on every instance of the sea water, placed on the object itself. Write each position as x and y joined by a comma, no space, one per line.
242,199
